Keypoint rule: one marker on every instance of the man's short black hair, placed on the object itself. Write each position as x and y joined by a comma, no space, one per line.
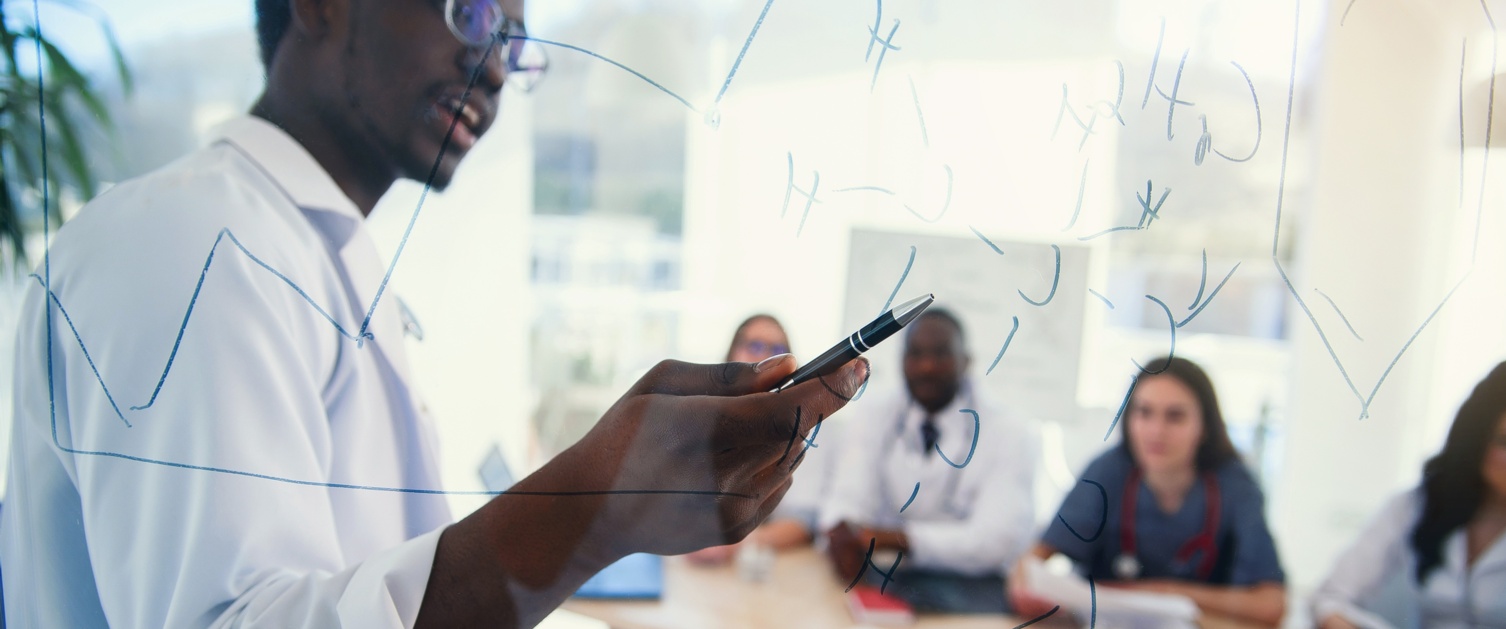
272,20
941,312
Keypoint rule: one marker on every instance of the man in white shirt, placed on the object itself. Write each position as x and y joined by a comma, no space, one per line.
214,420
938,474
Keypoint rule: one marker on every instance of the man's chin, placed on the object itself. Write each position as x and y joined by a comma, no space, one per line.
437,179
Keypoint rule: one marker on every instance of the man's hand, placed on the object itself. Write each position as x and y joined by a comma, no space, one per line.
691,456
703,453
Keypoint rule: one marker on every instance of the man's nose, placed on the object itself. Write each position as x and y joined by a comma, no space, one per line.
493,72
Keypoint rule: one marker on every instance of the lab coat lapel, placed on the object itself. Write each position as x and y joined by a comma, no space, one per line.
365,271
351,248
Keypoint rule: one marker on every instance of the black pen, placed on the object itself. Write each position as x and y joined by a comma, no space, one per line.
861,341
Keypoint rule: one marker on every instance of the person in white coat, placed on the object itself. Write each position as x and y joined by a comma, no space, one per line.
1436,554
214,423
938,474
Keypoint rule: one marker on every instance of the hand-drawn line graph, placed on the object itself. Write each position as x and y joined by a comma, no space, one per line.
51,299
1365,400
712,114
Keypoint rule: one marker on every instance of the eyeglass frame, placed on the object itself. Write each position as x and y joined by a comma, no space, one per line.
503,35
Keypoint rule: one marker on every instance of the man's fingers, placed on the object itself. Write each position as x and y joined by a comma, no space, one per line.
790,414
673,377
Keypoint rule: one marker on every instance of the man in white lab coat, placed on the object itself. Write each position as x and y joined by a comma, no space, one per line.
937,477
214,422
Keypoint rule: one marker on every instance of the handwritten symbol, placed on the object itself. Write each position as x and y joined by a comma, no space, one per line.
1172,325
913,493
985,240
925,137
885,44
1007,339
1101,298
794,434
1123,406
1099,109
1259,128
1172,99
971,449
810,442
1055,280
945,204
1093,596
1346,12
1155,62
810,196
1148,213
1039,618
1198,303
1082,185
868,561
909,263
1103,518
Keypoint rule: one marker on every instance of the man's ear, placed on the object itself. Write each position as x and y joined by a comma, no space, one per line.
313,20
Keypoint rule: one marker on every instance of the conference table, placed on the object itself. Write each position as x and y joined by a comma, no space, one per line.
800,591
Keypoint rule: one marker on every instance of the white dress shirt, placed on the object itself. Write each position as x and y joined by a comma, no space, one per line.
972,520
1454,595
270,482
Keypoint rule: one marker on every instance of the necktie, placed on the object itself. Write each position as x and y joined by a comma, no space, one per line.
929,434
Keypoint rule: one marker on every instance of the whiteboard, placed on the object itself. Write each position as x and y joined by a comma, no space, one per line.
988,288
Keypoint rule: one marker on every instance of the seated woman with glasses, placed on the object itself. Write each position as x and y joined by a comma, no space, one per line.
1435,556
758,337
1170,509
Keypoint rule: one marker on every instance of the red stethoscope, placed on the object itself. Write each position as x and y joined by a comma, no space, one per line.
1127,565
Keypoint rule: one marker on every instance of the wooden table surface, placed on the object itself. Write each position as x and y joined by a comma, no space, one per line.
801,591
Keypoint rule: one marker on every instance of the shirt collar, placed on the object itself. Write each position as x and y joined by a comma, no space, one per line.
288,164
915,415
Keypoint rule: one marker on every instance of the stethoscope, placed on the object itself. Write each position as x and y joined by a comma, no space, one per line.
1127,565
953,479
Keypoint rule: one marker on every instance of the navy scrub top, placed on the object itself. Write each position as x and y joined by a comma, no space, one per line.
1246,552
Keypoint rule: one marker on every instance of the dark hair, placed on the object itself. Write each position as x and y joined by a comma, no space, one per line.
1452,486
738,335
272,20
1216,449
939,312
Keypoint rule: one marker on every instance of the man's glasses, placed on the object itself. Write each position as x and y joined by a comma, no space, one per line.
481,22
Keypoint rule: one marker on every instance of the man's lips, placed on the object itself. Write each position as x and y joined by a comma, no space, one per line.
471,117
468,114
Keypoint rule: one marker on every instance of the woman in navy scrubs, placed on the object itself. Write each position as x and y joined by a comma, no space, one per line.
1170,509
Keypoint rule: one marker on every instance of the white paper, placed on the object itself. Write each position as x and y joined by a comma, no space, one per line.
1114,607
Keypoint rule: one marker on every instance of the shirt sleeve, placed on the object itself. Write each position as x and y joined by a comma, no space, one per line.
1255,558
1079,527
1379,553
999,523
213,507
